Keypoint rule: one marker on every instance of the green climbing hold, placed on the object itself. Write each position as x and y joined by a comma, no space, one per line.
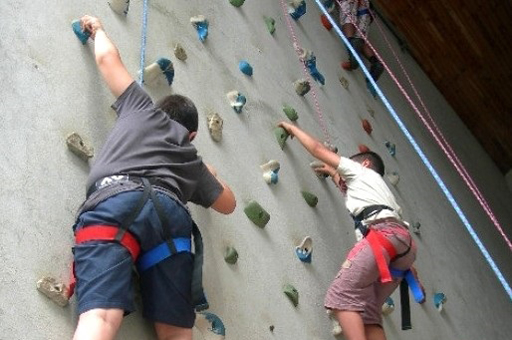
281,136
310,199
271,24
231,255
237,3
257,214
292,294
290,113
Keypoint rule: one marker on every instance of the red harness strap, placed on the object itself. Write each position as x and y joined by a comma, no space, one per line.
377,241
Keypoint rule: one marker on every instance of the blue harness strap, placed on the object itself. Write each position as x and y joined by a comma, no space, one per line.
162,252
414,285
362,12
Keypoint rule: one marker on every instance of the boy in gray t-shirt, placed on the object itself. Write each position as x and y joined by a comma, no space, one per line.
136,195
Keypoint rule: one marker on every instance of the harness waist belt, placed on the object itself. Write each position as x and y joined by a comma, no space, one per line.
162,252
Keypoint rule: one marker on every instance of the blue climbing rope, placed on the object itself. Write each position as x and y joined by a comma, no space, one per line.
143,41
422,156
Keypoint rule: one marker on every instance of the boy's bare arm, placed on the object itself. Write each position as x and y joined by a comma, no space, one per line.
107,57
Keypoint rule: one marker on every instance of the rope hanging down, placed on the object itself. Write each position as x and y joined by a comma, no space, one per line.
143,41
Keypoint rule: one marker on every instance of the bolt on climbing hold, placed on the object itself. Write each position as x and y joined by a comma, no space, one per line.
391,148
237,3
363,148
388,307
270,171
215,123
121,7
290,113
305,249
325,22
367,127
439,301
55,291
281,136
297,8
77,146
416,227
310,198
270,23
245,67
318,164
292,294
209,323
179,52
309,60
302,87
237,100
343,82
336,328
255,212
230,255
201,25
331,147
393,178
80,34
155,73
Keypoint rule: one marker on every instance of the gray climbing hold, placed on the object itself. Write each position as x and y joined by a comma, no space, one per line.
179,52
270,171
393,178
416,227
290,113
281,136
305,249
318,164
302,87
343,82
271,24
55,291
230,255
237,3
210,326
215,123
121,7
292,294
388,307
255,212
236,100
310,198
78,147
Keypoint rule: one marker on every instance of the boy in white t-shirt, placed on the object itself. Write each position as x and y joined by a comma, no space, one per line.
364,281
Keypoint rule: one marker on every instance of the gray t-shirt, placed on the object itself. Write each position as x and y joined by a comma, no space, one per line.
146,142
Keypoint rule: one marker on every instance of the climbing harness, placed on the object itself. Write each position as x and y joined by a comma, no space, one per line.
145,259
366,213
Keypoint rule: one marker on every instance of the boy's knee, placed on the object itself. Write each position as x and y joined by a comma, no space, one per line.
168,332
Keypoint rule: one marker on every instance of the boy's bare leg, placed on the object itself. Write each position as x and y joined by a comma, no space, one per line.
349,30
374,332
367,51
168,332
98,324
352,324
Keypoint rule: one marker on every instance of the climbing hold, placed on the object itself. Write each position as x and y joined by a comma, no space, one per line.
367,126
271,24
388,307
157,71
297,8
231,255
305,249
331,147
271,328
292,294
302,87
270,171
310,198
370,111
439,301
281,136
215,124
290,113
346,65
80,34
416,227
245,67
343,82
255,212
363,148
336,328
237,100
317,164
121,7
55,291
391,148
179,52
325,22
201,25
209,323
309,60
329,5
237,3
393,178
77,146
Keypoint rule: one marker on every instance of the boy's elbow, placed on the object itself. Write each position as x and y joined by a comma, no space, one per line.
226,203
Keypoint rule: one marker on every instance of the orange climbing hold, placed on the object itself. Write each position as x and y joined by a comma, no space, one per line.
363,148
325,22
367,126
346,65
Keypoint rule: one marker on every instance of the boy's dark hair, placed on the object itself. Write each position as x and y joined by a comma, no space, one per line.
376,163
180,109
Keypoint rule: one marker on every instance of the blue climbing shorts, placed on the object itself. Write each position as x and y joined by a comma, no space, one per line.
105,272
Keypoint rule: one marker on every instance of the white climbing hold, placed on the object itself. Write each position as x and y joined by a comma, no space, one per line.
237,100
179,52
270,171
305,249
331,147
388,307
158,72
393,178
318,164
55,291
78,147
336,328
215,124
121,7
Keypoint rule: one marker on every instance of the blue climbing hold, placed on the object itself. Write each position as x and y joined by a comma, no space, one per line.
245,67
240,102
305,249
217,326
439,300
80,34
167,69
313,71
391,148
329,5
201,25
297,8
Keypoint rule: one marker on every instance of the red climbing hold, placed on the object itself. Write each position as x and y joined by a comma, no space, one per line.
346,65
363,148
327,24
366,126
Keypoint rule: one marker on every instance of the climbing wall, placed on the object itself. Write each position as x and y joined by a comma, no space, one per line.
51,88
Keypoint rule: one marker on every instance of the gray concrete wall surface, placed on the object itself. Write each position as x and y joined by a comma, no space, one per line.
50,87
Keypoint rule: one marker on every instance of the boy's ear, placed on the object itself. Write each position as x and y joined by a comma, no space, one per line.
192,135
366,163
